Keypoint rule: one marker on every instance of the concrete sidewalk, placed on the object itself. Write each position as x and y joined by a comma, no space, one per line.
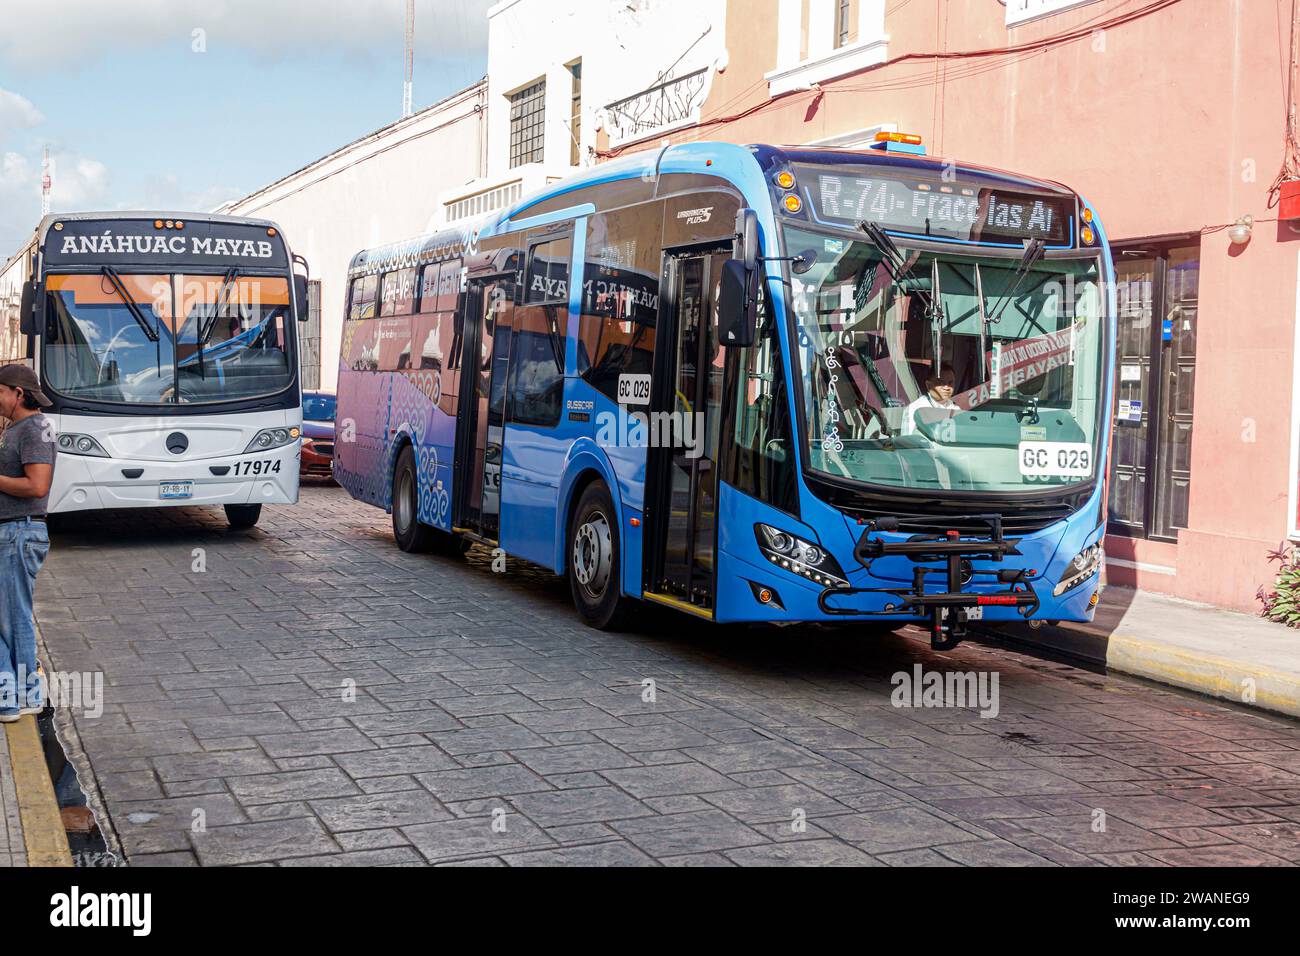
32,831
1227,654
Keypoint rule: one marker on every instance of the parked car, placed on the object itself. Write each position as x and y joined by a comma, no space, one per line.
318,434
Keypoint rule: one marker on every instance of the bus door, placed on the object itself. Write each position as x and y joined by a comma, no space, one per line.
686,408
485,360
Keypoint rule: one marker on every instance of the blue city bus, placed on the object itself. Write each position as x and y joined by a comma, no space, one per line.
752,384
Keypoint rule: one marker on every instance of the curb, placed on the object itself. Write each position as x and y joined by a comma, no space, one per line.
69,738
1273,690
43,833
1237,681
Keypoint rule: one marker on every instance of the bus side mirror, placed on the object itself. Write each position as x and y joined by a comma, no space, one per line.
27,310
736,311
300,297
745,246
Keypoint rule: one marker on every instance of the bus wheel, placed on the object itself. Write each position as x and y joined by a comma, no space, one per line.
594,559
411,536
243,516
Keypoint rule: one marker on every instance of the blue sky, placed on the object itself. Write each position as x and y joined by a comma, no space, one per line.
186,103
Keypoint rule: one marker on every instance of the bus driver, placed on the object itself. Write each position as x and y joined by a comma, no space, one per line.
935,402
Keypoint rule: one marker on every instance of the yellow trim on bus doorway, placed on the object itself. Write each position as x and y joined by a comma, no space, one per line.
677,603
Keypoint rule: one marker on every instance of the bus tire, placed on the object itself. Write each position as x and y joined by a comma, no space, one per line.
593,559
411,536
243,516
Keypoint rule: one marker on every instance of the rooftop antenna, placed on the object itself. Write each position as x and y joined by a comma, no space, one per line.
46,182
410,57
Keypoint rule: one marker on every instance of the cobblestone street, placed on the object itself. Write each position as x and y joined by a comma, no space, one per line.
487,725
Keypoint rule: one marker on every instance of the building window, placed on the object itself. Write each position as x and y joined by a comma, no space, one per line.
823,39
527,124
310,361
575,115
843,23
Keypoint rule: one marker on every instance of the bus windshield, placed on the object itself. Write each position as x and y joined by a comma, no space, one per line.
166,338
941,370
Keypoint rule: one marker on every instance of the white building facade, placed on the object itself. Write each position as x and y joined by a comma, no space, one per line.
13,274
380,188
569,78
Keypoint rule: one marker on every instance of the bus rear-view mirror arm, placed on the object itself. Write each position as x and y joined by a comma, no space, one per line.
737,293
736,311
301,299
745,247
27,310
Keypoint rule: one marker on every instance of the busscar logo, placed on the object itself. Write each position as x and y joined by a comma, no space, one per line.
75,909
697,216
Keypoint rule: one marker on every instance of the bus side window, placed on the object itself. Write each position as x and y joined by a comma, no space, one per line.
763,461
435,348
363,298
398,292
620,295
541,327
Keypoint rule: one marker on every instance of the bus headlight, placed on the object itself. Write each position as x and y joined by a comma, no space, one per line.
1085,564
73,444
269,438
804,558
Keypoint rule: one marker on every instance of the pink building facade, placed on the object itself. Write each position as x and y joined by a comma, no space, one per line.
1171,118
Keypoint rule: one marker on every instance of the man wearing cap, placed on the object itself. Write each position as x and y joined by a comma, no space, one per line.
27,456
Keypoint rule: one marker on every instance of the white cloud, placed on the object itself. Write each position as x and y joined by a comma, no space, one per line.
45,35
78,183
165,193
17,112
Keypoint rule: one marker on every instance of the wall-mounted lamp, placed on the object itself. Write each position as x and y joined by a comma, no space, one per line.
1239,232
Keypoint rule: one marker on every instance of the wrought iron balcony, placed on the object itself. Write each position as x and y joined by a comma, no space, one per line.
671,102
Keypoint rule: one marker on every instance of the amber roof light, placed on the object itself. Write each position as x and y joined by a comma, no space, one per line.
911,139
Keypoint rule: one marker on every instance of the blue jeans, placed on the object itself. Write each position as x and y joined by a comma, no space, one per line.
23,546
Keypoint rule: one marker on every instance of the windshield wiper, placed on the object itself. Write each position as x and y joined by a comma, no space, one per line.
207,324
150,333
899,267
936,316
984,325
1034,250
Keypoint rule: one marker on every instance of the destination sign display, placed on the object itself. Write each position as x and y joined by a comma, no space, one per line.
95,242
945,210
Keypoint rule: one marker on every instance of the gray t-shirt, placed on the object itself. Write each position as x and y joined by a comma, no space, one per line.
28,442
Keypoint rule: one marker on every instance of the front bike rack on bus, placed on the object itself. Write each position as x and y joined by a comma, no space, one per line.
947,609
